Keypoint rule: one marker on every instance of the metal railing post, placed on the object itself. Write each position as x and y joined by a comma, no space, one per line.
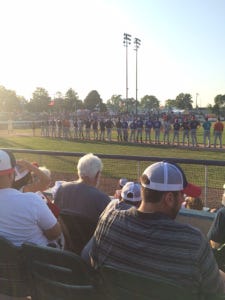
138,170
206,185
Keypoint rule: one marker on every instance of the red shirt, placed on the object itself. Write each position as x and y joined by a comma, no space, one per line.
218,126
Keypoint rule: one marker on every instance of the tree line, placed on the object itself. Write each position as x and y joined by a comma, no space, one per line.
70,102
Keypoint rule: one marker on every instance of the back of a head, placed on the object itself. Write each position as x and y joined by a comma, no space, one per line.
45,170
131,193
122,182
166,177
89,165
194,203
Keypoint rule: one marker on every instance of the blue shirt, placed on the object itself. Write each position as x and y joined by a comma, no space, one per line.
206,125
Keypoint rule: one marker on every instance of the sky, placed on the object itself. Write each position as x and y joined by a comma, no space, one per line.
78,44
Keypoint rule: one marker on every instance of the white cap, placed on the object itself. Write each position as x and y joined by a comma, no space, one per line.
7,162
20,174
167,176
131,192
123,181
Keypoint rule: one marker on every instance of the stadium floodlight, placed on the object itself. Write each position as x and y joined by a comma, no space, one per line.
196,100
126,43
137,43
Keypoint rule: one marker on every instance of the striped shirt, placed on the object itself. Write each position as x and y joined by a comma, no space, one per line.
152,244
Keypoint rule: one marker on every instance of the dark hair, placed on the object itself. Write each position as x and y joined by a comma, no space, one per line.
22,182
194,203
133,203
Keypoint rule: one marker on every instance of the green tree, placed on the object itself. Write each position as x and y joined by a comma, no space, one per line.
103,107
93,100
9,101
114,103
40,100
58,102
170,103
220,100
149,103
219,106
131,105
72,102
184,101
23,103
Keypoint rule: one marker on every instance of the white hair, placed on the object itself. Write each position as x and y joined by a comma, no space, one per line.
45,170
89,165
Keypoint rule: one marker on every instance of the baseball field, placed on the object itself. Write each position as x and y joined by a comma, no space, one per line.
63,168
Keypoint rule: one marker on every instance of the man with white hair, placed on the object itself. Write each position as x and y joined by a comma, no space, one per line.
149,241
82,196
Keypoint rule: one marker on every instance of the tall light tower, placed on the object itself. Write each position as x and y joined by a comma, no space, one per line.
196,100
126,43
137,43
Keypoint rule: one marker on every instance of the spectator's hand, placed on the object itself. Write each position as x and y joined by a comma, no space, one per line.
24,165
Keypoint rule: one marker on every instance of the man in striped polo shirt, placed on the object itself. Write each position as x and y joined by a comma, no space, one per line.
150,242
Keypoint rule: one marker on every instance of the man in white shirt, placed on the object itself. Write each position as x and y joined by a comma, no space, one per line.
24,217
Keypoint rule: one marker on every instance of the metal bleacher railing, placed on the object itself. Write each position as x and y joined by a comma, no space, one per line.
210,175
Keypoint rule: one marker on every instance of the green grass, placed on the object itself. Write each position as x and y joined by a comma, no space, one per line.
114,169
63,167
42,143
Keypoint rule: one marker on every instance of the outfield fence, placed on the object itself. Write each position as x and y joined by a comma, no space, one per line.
209,174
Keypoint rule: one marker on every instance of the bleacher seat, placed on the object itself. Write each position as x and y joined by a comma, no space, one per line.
58,275
123,285
77,230
13,273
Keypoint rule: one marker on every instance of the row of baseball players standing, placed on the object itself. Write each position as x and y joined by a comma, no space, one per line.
137,130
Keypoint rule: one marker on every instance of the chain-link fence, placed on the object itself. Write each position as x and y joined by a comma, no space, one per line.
210,175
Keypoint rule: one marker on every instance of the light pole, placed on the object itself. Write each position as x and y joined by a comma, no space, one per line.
126,43
137,43
196,100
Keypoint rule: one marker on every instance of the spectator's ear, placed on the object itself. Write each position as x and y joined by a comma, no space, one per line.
97,178
168,199
97,174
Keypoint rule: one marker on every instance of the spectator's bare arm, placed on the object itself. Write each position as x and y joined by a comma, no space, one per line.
41,180
54,232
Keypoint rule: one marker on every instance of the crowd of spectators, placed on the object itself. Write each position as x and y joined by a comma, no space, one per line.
135,231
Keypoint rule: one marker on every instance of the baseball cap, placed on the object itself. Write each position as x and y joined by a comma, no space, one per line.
19,173
167,176
131,191
7,162
123,181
